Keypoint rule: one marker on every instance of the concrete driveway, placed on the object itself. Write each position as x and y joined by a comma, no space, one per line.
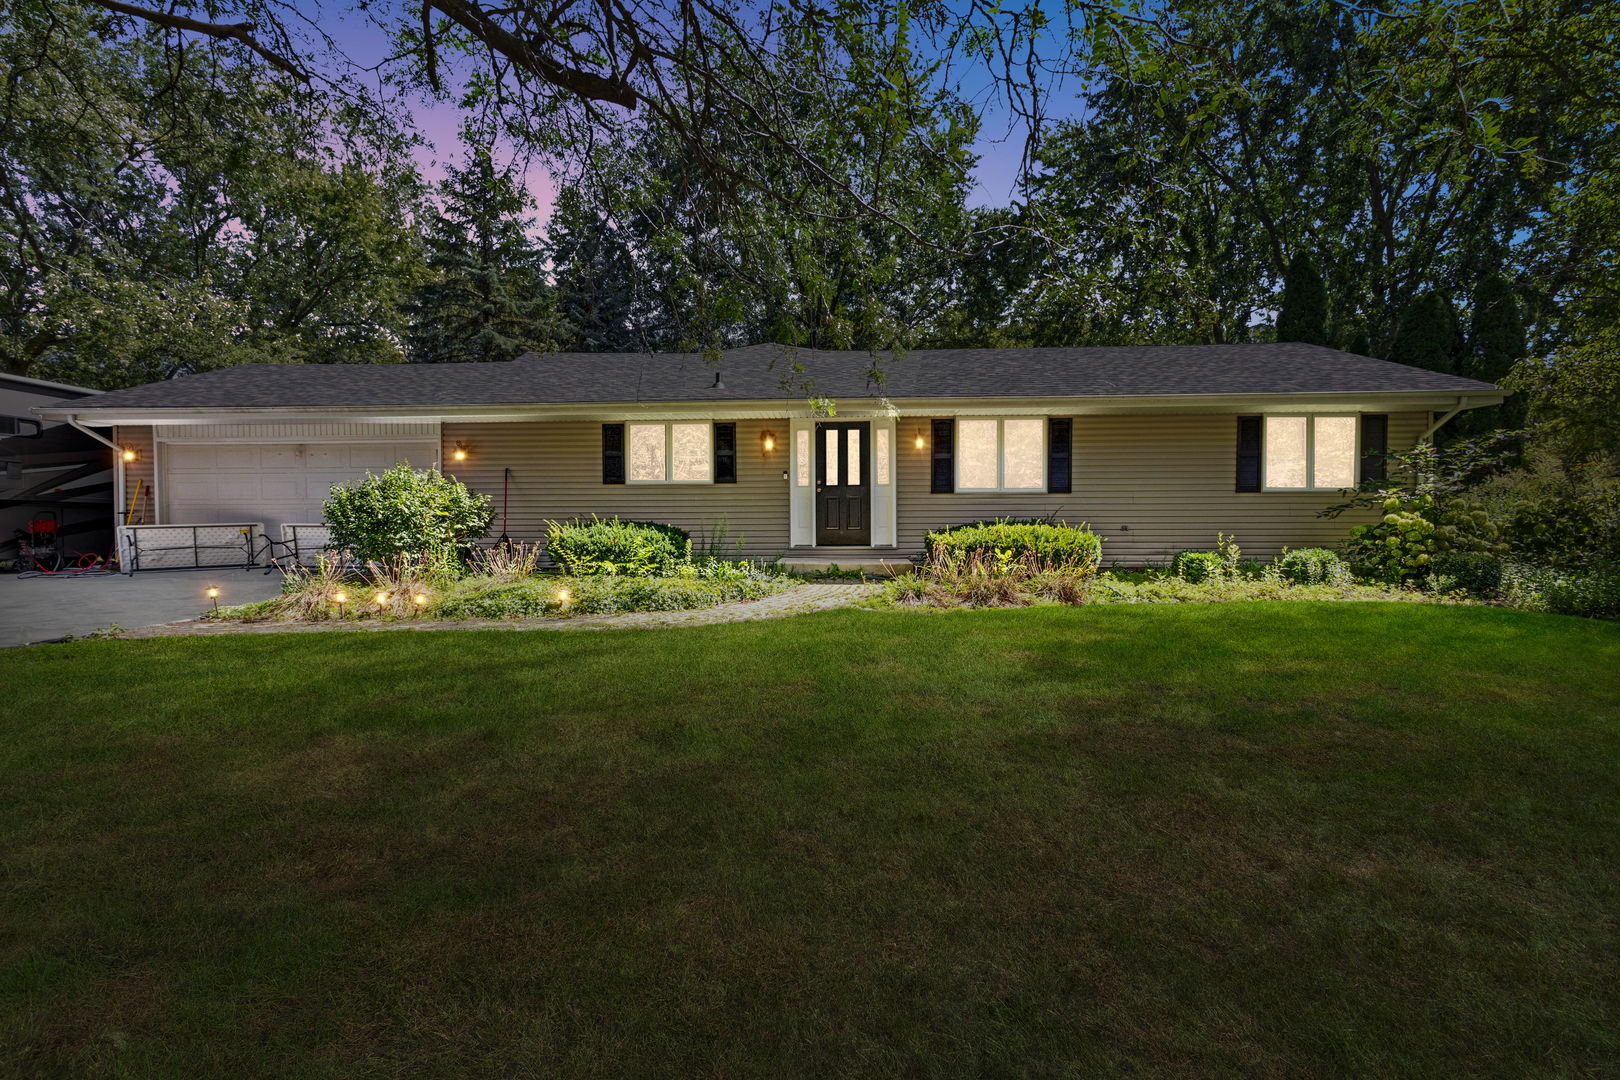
47,608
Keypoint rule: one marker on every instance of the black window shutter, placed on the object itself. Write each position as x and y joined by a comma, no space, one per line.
1249,437
944,475
1374,445
612,453
725,453
1059,454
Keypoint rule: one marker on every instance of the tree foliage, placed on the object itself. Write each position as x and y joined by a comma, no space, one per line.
1427,335
488,298
1303,314
166,210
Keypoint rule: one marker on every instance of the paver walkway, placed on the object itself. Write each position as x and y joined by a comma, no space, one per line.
799,600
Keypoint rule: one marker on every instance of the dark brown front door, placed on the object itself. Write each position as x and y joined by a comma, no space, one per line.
843,493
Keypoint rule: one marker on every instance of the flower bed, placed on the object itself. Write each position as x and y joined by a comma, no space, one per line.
319,598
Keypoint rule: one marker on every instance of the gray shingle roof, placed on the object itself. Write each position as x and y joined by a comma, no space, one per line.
771,372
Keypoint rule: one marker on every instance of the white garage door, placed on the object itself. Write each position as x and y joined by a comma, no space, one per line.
271,482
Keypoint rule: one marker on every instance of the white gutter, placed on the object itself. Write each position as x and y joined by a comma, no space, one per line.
73,422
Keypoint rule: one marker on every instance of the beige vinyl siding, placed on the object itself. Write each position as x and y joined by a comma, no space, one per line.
144,468
557,474
1171,479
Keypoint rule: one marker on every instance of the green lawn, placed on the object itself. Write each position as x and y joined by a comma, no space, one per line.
1258,840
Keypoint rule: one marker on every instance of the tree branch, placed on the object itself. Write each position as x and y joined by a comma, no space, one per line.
241,32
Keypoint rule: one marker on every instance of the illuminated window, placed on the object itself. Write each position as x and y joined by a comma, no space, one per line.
1001,455
1310,452
801,450
880,457
831,477
671,454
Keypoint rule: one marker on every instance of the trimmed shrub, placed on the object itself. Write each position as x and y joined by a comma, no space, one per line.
1311,566
1039,545
1197,566
1474,572
612,546
405,513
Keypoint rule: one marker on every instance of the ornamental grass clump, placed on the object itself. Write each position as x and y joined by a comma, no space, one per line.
1000,578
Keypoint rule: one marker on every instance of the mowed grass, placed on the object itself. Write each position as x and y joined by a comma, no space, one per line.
1258,840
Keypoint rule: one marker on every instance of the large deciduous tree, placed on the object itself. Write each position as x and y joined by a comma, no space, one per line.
168,210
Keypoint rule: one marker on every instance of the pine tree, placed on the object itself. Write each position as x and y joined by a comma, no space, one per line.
1496,341
488,299
1495,332
595,277
1427,336
1303,314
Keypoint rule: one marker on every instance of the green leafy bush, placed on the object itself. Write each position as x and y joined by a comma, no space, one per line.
1402,544
1197,566
1474,572
1593,595
1041,545
1311,566
611,546
404,513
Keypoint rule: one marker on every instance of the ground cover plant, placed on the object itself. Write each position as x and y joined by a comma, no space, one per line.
1315,840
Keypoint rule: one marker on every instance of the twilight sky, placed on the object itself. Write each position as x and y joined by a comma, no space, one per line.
366,44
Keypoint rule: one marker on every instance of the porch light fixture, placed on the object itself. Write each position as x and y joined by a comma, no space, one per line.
460,452
213,594
767,441
921,443
129,453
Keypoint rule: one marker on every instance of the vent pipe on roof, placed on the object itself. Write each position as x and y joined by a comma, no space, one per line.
718,384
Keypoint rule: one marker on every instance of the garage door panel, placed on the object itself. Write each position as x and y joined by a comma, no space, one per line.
281,488
272,483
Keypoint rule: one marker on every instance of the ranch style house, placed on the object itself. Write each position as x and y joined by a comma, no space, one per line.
810,455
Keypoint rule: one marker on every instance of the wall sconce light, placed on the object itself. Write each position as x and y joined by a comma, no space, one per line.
460,452
767,441
921,443
129,453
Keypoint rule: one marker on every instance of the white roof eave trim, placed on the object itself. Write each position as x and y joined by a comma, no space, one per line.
786,408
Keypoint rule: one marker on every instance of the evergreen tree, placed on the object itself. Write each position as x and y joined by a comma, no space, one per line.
596,278
1427,334
488,299
1496,338
1303,314
1496,341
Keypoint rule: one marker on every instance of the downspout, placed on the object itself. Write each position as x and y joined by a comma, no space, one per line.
73,422
1462,403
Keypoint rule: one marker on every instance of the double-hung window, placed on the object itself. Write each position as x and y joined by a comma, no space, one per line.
673,453
1306,453
1001,455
